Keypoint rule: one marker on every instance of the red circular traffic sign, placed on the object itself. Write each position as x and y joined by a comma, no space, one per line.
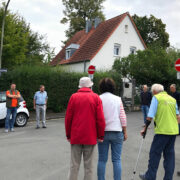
91,69
177,65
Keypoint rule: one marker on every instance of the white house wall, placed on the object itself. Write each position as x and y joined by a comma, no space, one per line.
105,57
76,67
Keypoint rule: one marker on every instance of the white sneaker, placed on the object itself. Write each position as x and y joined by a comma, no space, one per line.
6,131
12,130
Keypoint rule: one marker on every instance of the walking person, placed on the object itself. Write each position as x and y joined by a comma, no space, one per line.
12,103
165,112
176,95
146,97
115,130
84,124
40,105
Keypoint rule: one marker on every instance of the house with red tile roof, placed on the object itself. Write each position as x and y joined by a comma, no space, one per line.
99,44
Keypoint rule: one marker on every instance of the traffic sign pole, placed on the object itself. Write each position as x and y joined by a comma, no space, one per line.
91,71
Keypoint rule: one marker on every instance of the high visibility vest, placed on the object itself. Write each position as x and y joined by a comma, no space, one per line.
165,119
9,100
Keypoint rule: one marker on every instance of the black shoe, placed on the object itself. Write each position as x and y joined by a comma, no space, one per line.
142,176
37,127
44,127
178,173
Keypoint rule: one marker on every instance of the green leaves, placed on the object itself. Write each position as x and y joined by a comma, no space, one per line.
78,11
154,65
22,45
152,30
59,85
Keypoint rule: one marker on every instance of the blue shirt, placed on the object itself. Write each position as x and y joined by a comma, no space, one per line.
153,108
40,97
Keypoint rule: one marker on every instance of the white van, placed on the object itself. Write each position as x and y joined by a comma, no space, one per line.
22,112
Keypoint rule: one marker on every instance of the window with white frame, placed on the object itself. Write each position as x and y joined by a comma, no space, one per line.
68,53
126,28
132,50
117,49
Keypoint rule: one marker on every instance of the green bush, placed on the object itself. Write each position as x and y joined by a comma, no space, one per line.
59,85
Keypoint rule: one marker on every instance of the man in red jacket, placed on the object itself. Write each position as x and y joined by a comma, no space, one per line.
85,124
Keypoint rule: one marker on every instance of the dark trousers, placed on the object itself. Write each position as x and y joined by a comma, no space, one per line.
162,144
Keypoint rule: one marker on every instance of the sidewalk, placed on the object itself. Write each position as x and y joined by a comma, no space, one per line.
49,115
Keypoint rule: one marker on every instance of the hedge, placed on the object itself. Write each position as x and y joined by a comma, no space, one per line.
59,85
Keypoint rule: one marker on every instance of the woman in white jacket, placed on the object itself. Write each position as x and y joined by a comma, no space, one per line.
115,130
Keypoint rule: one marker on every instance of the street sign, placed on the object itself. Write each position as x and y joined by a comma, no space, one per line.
3,70
91,69
177,65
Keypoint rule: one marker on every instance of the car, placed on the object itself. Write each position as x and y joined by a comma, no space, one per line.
22,111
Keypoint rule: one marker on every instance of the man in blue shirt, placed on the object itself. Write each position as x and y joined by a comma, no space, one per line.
40,104
165,111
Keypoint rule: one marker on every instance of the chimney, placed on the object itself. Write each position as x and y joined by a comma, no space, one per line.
97,21
88,25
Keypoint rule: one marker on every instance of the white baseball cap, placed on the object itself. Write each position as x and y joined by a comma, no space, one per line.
85,82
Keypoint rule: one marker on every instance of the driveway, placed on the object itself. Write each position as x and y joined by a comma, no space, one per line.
44,154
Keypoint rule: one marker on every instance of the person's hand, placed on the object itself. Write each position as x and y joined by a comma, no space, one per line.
35,107
100,140
69,140
125,136
178,118
143,131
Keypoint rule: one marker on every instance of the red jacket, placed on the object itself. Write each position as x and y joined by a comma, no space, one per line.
84,121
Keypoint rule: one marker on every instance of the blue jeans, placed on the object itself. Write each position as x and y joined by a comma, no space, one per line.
145,110
9,123
162,144
115,139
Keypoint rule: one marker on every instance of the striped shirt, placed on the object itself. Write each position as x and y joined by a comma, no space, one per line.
114,113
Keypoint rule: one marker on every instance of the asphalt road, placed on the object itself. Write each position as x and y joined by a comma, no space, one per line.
44,154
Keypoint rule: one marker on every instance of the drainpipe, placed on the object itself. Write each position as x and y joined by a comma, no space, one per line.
85,65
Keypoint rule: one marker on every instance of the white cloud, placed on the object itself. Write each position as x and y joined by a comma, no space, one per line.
44,15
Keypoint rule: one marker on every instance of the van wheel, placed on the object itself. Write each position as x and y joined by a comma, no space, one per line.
21,120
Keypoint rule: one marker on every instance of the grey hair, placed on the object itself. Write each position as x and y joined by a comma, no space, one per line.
174,85
41,86
157,88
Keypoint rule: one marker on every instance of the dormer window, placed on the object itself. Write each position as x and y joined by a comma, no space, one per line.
70,50
126,29
68,53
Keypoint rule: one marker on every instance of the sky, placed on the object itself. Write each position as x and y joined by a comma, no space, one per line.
44,16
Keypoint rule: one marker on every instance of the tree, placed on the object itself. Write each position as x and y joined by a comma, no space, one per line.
152,30
155,65
21,45
78,11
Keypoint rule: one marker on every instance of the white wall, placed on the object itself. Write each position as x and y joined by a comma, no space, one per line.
76,67
105,57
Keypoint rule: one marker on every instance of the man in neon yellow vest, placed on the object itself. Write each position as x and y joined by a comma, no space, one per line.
164,111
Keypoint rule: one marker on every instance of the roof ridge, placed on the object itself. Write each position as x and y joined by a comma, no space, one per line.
126,13
92,42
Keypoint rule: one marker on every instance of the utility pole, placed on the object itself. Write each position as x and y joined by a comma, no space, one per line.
2,31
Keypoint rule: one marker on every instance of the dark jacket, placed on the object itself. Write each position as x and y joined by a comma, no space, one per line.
146,98
176,95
